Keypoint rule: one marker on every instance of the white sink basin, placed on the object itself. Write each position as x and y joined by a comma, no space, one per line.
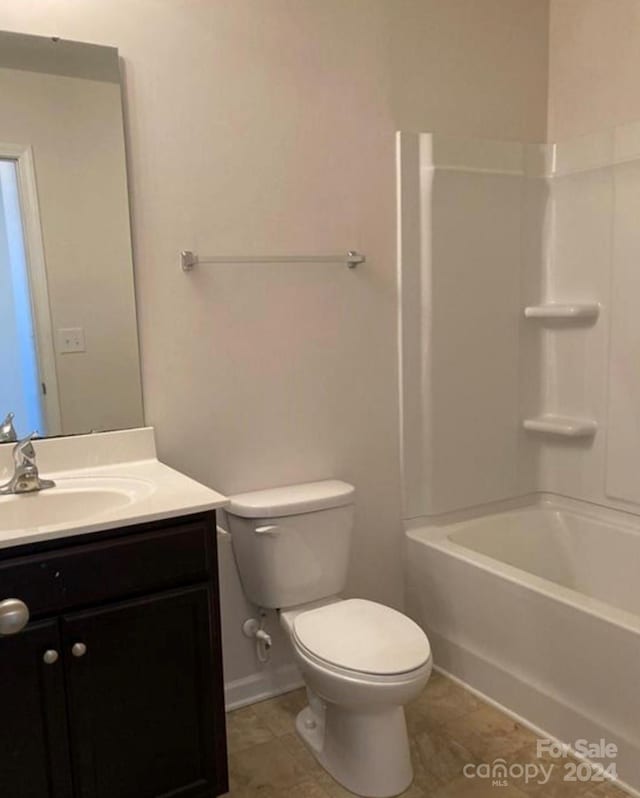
72,500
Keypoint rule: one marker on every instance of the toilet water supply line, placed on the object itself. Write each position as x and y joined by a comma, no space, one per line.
255,629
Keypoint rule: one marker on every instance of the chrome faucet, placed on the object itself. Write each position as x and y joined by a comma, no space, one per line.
26,478
7,430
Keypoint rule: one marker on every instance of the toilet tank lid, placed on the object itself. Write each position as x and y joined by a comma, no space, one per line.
291,499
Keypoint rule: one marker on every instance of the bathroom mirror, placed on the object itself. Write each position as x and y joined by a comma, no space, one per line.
69,359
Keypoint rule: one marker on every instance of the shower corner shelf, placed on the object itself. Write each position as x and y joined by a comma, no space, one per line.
585,311
566,426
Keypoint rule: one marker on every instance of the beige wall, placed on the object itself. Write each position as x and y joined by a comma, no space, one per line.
594,66
261,126
470,68
74,128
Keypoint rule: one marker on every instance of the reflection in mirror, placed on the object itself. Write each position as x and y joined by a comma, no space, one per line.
69,358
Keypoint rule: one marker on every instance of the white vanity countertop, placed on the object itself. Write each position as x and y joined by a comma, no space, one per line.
125,493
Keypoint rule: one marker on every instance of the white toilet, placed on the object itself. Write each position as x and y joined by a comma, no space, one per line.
361,661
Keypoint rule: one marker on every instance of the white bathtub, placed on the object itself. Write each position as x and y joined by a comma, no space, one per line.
539,609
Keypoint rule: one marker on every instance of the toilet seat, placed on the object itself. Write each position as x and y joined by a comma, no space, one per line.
368,680
362,638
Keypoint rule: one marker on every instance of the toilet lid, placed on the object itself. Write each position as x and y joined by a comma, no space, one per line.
363,636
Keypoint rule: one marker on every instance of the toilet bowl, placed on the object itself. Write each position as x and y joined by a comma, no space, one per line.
361,661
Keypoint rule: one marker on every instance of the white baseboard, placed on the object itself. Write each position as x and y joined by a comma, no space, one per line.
260,686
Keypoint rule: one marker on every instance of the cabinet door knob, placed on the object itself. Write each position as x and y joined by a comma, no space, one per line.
78,649
50,656
14,616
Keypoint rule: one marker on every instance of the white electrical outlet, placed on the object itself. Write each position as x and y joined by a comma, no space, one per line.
70,339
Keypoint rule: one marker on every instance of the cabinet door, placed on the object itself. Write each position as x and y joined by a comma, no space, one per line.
34,756
141,700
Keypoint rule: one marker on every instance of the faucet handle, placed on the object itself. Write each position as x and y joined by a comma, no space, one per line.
23,451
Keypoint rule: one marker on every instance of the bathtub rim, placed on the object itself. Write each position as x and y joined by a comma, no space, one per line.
432,531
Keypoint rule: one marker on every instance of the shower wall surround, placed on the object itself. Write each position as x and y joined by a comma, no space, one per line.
487,229
462,234
595,251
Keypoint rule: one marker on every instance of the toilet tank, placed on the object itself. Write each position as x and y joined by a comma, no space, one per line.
291,544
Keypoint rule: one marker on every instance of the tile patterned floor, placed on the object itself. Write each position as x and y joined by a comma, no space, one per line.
448,727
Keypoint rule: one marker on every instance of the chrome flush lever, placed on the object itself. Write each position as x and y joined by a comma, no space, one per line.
269,529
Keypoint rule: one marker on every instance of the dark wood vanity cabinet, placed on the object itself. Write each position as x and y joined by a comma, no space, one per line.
114,689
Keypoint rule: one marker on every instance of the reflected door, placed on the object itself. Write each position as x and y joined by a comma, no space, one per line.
22,386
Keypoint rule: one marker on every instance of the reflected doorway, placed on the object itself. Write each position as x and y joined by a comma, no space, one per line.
27,371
